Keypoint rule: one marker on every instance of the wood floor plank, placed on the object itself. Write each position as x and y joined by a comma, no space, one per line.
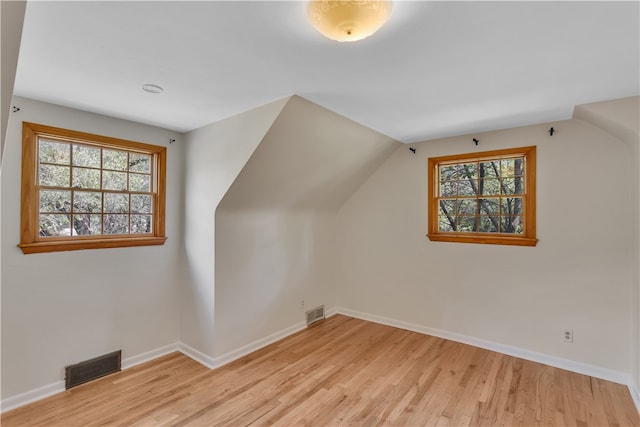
341,372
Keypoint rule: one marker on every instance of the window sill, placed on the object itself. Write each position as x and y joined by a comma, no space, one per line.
59,246
484,239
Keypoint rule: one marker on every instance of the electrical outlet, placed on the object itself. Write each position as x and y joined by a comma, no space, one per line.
567,335
301,304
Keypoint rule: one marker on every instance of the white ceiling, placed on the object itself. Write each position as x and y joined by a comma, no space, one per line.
436,69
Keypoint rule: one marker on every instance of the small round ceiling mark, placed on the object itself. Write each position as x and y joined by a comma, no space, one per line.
151,88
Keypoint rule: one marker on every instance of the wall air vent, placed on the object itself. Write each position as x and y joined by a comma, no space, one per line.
315,314
92,369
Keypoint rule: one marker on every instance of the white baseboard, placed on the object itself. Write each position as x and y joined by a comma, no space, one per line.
330,312
30,396
633,390
198,356
22,399
258,344
558,362
39,393
132,361
216,362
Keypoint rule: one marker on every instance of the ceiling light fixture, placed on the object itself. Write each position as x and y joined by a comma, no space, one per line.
152,88
348,21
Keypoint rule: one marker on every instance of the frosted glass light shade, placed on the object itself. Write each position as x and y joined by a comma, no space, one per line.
348,21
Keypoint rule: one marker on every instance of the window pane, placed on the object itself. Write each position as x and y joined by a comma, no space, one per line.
87,202
113,159
511,224
445,225
114,180
140,183
469,171
64,205
116,203
448,207
512,167
449,188
449,173
139,163
490,169
511,205
490,206
518,167
52,225
140,203
116,224
512,185
467,206
55,201
87,224
54,176
467,187
467,223
86,156
86,178
54,152
489,224
489,187
488,191
140,224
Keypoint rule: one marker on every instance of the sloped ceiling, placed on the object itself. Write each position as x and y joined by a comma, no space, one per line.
438,68
11,21
310,158
620,117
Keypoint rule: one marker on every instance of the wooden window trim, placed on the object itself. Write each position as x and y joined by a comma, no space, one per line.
29,211
528,238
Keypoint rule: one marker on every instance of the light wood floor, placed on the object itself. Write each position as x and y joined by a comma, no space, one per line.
341,371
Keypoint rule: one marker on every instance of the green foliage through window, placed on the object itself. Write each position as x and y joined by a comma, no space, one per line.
86,190
482,196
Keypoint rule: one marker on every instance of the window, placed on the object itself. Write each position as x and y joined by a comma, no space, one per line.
83,191
487,197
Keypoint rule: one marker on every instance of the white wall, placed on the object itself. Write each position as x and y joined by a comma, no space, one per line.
621,118
275,227
215,154
267,262
578,276
65,307
11,20
260,218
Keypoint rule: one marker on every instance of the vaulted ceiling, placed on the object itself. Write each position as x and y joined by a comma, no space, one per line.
436,69
309,158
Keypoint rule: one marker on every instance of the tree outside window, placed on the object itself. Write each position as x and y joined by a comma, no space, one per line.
83,191
484,197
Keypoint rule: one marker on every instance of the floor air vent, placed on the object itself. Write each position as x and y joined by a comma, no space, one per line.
91,369
315,314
